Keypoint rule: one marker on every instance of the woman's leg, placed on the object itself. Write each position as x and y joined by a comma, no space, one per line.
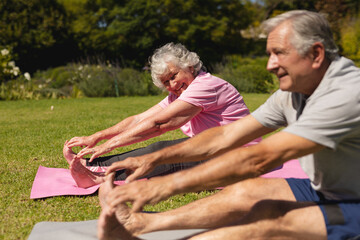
158,171
108,160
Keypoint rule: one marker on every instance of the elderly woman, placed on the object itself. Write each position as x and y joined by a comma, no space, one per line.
196,101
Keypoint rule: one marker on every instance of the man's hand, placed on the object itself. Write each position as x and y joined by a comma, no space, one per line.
139,193
138,166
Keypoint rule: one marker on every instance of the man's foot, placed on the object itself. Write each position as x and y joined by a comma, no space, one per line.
120,221
69,155
84,177
110,228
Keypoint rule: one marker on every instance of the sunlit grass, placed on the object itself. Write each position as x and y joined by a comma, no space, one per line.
32,134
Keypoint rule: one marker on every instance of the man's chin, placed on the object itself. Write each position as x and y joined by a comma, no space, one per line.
284,87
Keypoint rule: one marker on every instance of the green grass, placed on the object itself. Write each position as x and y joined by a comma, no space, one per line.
32,134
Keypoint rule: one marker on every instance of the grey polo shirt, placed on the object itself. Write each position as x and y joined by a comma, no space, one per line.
330,117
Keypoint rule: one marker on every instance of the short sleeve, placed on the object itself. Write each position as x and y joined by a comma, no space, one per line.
167,101
271,113
200,95
329,118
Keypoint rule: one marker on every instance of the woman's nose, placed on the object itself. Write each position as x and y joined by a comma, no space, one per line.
173,84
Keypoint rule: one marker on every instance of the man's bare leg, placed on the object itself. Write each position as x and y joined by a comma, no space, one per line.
219,210
274,219
84,177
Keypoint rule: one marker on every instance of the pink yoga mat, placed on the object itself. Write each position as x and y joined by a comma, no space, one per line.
290,169
51,182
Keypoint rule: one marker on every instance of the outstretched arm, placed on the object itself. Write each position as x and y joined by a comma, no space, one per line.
152,123
127,123
208,144
230,167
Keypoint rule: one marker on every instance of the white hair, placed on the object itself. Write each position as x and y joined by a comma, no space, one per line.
308,27
176,54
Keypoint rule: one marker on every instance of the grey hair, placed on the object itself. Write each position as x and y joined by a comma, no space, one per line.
308,28
178,55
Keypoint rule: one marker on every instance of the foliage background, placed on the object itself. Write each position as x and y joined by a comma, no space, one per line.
50,33
100,48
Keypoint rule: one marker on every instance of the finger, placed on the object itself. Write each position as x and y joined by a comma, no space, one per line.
114,167
85,151
95,155
138,206
73,144
114,201
111,177
135,175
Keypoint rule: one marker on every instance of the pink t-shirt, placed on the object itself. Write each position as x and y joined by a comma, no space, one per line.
221,103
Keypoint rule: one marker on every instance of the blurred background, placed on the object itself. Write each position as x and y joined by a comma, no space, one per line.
100,48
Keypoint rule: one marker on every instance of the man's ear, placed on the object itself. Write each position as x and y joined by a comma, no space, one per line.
318,54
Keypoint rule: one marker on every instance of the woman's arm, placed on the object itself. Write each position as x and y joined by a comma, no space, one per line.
127,123
150,124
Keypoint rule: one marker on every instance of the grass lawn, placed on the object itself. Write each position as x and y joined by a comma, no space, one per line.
32,134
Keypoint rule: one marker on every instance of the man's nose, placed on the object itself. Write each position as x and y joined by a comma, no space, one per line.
272,63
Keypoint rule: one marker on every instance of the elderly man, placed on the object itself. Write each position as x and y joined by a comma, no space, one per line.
318,104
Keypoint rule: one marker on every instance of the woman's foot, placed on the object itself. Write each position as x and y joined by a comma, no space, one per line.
84,177
69,155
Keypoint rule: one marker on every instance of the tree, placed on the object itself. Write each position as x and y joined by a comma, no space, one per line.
131,30
36,30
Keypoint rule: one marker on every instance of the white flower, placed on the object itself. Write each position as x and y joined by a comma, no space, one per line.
11,64
27,76
4,52
16,71
40,86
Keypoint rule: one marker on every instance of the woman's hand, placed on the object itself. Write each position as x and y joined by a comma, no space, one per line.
86,141
95,152
138,166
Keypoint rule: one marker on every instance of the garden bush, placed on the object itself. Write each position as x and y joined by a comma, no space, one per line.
95,80
134,83
247,74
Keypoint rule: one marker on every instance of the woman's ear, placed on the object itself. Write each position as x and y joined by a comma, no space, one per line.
318,54
192,70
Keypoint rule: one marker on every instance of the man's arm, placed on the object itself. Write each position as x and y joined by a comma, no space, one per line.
233,166
244,163
208,144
